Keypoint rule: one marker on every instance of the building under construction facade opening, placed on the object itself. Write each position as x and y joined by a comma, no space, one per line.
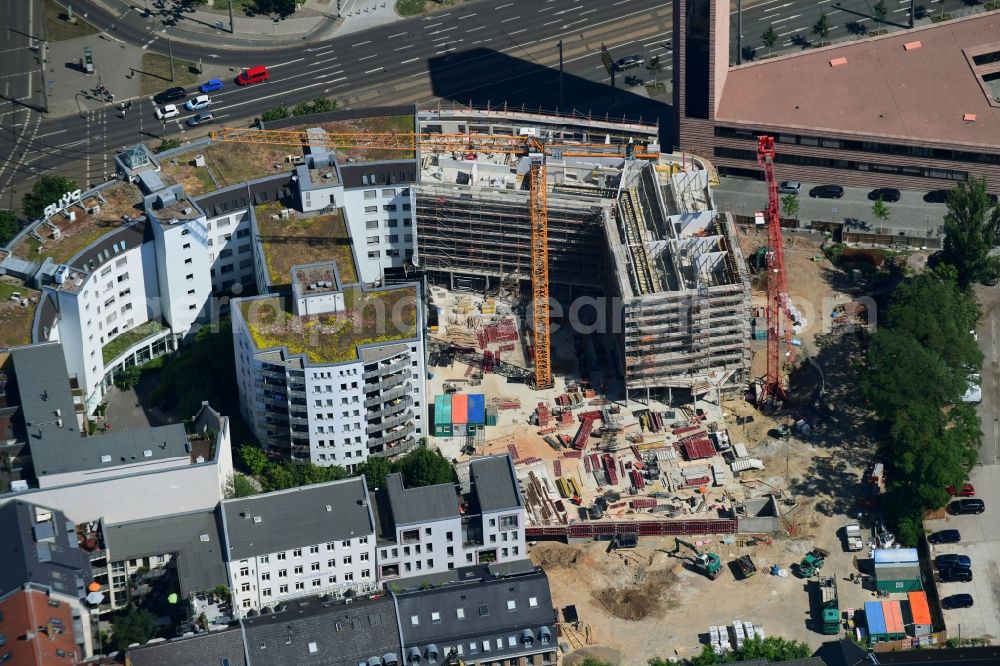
639,233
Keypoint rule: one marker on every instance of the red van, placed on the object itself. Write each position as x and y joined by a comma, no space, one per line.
257,74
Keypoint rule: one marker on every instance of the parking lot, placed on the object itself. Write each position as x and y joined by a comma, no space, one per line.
981,542
744,196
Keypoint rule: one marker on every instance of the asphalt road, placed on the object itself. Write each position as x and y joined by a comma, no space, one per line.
793,20
488,51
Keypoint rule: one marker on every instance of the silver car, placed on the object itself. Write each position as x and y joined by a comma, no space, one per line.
200,118
789,187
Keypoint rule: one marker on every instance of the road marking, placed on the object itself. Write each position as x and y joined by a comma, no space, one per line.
277,94
403,48
362,43
787,18
438,32
622,2
482,27
514,32
509,4
323,76
403,62
374,55
467,16
774,9
372,71
146,45
589,11
398,34
445,51
51,134
512,18
290,62
433,25
551,22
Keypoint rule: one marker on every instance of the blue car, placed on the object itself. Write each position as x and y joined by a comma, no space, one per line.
211,86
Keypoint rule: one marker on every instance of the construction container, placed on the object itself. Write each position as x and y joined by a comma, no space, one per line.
459,411
897,570
477,409
492,414
442,416
920,614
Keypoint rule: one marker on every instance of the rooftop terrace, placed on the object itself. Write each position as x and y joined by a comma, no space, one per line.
225,164
304,239
385,315
16,312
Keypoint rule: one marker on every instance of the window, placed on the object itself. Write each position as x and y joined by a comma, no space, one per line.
449,536
245,587
507,522
371,194
266,575
298,569
347,559
283,589
266,592
300,585
371,224
389,193
186,246
313,549
373,254
297,552
389,208
282,573
190,276
188,260
314,566
281,556
394,238
244,571
451,551
242,233
364,557
316,582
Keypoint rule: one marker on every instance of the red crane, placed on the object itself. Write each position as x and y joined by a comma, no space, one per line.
778,327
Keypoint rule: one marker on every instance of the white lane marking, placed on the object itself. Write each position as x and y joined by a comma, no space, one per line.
433,25
374,55
282,64
278,94
403,48
509,4
362,43
514,32
512,18
398,34
774,9
403,62
467,16
787,18
51,134
482,27
372,71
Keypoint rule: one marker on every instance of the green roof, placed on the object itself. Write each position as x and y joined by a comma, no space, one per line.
379,316
304,239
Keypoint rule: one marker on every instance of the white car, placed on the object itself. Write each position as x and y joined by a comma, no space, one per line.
974,392
198,103
167,112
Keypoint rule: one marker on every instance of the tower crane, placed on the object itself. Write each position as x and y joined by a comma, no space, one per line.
777,283
535,148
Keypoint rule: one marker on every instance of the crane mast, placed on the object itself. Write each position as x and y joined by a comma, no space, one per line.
540,272
777,283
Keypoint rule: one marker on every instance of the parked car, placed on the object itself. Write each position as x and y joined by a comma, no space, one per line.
974,391
170,95
198,103
967,506
200,118
167,112
937,196
827,192
957,601
945,536
210,86
953,561
628,62
955,575
967,490
789,187
886,194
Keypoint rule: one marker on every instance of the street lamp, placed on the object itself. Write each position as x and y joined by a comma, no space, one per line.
834,217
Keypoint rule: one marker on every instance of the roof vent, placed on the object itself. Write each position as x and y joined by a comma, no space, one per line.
204,538
105,458
912,46
313,648
258,519
147,453
329,508
837,62
969,117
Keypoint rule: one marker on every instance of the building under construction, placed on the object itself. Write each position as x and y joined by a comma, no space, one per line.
641,232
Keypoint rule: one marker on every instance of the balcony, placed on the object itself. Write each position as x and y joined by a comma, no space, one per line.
387,383
398,407
402,447
375,442
383,370
386,396
389,423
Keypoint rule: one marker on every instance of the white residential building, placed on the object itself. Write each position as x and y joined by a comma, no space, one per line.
436,528
294,543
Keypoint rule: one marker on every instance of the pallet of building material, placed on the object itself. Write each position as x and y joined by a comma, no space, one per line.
572,454
528,461
698,449
509,404
637,480
557,467
592,415
635,452
513,451
678,432
696,481
583,434
586,464
610,468
642,503
618,505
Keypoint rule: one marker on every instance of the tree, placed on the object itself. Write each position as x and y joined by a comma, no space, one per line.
128,377
774,649
790,205
880,210
278,477
46,190
591,661
375,471
654,67
167,144
323,105
135,625
9,226
277,113
821,28
769,38
971,232
253,458
238,485
424,467
881,11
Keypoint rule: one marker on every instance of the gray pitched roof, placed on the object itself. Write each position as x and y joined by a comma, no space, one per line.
420,505
46,400
208,649
39,545
495,483
298,517
312,632
494,609
193,538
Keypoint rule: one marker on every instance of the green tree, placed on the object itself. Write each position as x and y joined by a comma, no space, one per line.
9,226
375,471
774,649
277,113
971,232
881,11
46,190
238,485
278,477
769,38
424,467
253,458
880,210
128,377
790,205
591,661
821,28
167,144
134,625
655,68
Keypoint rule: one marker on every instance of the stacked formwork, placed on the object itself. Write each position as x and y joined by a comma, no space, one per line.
487,232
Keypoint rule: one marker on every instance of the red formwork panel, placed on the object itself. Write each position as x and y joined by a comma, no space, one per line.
642,527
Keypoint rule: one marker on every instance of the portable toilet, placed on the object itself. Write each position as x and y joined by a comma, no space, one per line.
477,412
442,416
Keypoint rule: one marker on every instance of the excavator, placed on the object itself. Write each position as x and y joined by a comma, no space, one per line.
708,564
